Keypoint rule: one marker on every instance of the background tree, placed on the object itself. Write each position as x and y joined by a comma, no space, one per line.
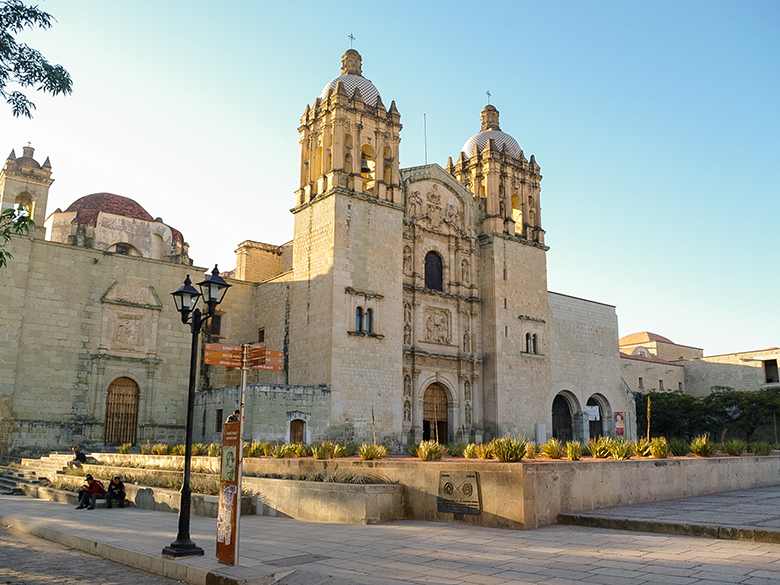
23,66
672,415
12,222
744,410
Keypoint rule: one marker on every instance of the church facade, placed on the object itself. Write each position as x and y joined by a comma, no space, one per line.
410,304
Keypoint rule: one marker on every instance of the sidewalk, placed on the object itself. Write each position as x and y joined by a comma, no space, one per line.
289,552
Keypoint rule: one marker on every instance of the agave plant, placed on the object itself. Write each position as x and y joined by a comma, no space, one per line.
599,447
456,449
552,449
734,447
431,451
322,451
762,449
411,449
470,451
703,447
125,448
508,448
658,448
573,450
531,450
620,449
146,449
369,452
338,451
160,449
484,451
213,449
199,449
641,447
679,447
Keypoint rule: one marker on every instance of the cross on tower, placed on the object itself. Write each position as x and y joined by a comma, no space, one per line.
488,94
351,38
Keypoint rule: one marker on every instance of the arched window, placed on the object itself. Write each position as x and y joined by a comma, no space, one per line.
348,164
368,167
26,201
528,343
369,320
359,319
433,272
533,344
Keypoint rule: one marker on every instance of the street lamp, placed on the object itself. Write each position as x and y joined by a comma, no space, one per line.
212,290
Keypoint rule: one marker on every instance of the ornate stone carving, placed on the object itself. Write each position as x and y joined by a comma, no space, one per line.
408,334
407,259
437,326
407,411
407,313
467,390
127,332
414,205
468,415
407,386
467,341
464,271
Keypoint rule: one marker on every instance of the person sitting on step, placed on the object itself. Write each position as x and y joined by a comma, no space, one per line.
78,457
115,491
88,494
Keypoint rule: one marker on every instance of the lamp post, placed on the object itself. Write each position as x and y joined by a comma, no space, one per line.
212,290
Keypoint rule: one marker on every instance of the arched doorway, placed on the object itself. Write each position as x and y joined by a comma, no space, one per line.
561,419
595,418
121,412
297,427
435,414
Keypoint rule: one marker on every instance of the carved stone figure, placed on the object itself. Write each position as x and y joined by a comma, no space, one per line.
414,204
467,390
407,259
437,325
407,386
407,313
468,415
407,411
464,271
408,335
467,342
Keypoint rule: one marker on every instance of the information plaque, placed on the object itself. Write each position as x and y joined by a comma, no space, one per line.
459,492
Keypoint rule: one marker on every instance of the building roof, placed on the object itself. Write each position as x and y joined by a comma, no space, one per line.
491,131
643,337
352,80
652,359
110,203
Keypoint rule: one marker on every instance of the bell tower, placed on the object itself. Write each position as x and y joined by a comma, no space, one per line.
24,182
348,253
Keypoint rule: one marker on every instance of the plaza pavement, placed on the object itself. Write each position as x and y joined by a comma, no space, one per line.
290,552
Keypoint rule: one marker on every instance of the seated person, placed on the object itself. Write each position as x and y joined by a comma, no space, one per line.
115,491
78,457
235,417
88,494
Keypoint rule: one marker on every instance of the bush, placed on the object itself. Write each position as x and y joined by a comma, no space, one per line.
734,447
214,449
431,451
642,447
146,449
484,451
762,449
125,448
338,451
369,452
160,449
177,450
509,449
552,449
299,450
470,451
322,451
658,448
573,450
599,447
620,449
456,449
531,450
703,447
679,447
411,450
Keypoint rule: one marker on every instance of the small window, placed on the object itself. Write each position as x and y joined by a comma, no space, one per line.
261,335
679,386
123,249
505,303
534,343
528,343
434,272
359,319
369,321
641,383
215,327
770,372
506,331
218,421
660,384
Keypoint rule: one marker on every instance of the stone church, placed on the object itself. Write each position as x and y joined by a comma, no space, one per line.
410,304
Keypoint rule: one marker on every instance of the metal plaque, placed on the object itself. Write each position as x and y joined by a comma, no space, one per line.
459,492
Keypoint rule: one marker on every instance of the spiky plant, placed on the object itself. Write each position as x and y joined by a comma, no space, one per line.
146,449
199,449
531,450
599,447
411,449
642,447
703,447
659,449
762,449
431,451
679,447
214,449
280,451
484,451
620,449
552,449
734,447
160,449
338,451
368,452
509,449
573,450
470,451
322,451
456,449
125,448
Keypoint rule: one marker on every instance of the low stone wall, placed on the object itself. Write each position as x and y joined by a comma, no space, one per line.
327,502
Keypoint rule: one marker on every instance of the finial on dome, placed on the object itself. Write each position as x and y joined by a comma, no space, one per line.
351,63
490,118
28,151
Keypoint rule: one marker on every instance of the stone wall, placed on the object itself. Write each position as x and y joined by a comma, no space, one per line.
642,375
742,371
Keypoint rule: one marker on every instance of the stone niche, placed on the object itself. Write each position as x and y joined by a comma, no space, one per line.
130,315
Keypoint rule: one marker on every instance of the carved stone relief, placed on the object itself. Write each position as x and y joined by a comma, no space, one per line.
437,326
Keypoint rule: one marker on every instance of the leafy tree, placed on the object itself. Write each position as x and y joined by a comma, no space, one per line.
672,414
746,410
12,222
22,65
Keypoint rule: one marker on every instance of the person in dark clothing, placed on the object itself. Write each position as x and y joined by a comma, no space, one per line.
78,457
235,417
88,494
115,491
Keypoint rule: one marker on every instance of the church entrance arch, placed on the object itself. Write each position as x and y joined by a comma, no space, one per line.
121,412
435,414
599,416
563,408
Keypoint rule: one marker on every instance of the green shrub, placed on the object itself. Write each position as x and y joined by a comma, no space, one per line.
762,449
214,449
620,449
411,450
734,447
280,451
268,448
658,448
573,450
177,450
531,450
552,449
598,447
456,449
703,447
322,451
125,448
470,451
484,451
509,449
431,451
679,447
642,447
338,451
160,449
146,449
299,450
368,452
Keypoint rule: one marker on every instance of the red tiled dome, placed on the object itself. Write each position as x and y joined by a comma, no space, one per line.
28,162
110,203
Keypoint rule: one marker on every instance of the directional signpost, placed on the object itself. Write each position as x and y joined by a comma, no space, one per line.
247,357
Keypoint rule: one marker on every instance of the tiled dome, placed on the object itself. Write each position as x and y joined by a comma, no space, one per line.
499,139
110,203
369,93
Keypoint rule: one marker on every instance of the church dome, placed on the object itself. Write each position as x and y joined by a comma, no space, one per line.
110,203
491,131
352,79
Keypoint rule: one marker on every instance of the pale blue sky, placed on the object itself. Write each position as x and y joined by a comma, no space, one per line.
655,124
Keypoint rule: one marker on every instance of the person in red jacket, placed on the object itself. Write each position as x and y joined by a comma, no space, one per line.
88,494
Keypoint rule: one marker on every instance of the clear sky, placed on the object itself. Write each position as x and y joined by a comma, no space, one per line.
656,125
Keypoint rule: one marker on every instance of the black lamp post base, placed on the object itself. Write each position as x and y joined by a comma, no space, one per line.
182,549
